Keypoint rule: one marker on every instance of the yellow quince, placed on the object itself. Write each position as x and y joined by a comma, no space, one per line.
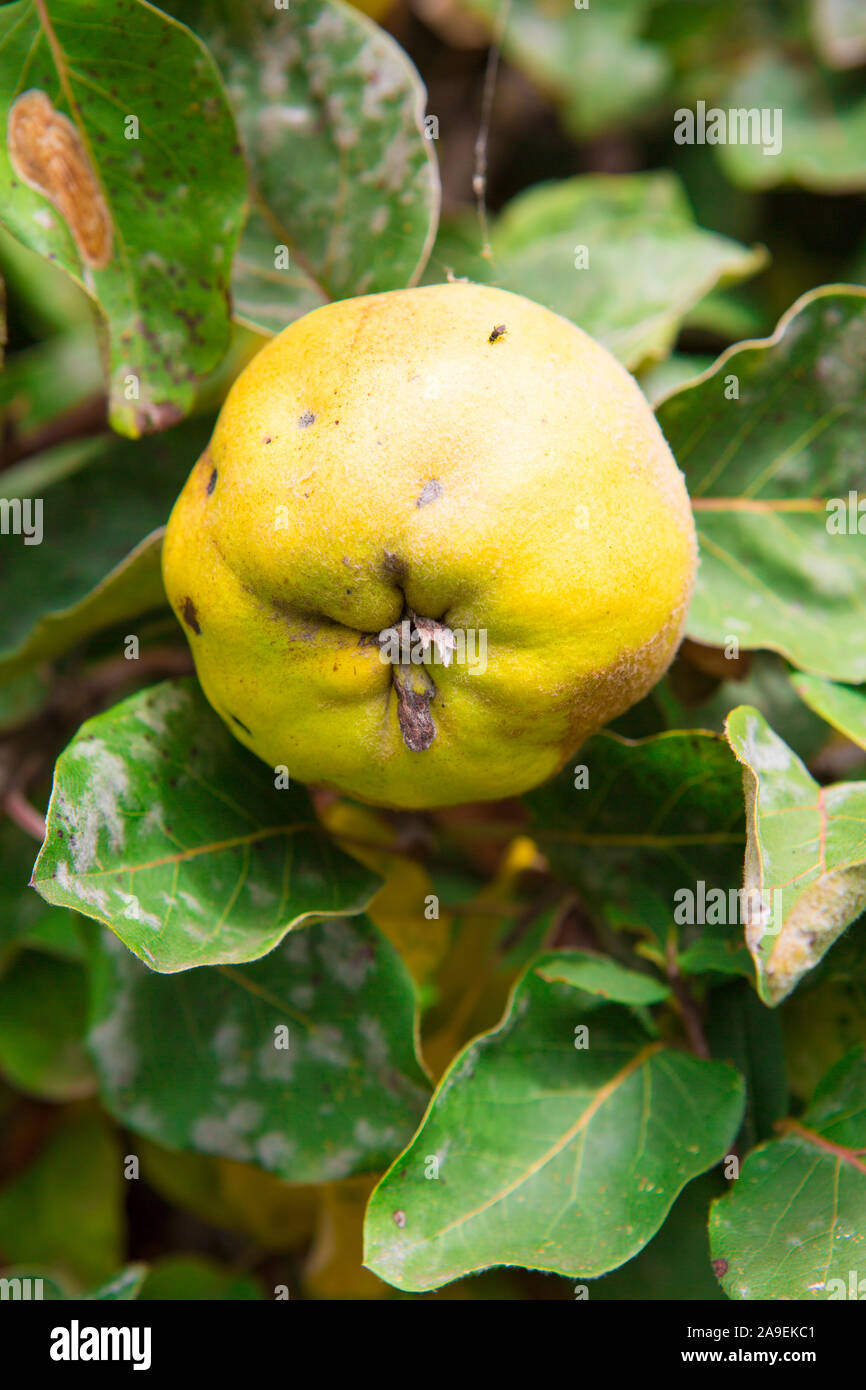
437,539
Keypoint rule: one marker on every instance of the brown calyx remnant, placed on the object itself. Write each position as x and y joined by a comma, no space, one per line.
419,640
415,691
49,155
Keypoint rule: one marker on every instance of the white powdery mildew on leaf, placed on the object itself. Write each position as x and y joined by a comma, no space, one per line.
274,121
134,912
818,918
97,804
275,1150
156,712
150,823
369,1137
260,894
302,996
190,902
111,1041
227,1041
394,169
330,28
840,371
272,69
832,578
375,1043
234,1073
766,752
144,1119
297,948
275,1063
84,892
384,83
463,1070
345,131
227,1044
345,956
244,1116
327,1044
213,1134
338,1164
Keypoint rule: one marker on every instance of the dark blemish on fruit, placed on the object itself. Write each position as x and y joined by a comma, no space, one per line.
429,492
720,1268
190,616
400,1219
394,566
308,418
267,439
211,482
240,723
498,332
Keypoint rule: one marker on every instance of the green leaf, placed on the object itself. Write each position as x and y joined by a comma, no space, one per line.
840,705
232,1196
49,302
676,1263
164,827
146,222
43,1011
659,815
22,697
795,1220
65,1211
823,126
187,1278
202,1061
43,382
743,1031
550,1156
648,263
662,378
264,297
56,933
823,1022
592,60
776,569
805,856
765,683
98,564
596,974
331,114
123,1287
20,908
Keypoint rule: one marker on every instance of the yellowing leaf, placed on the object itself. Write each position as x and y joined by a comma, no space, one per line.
334,1268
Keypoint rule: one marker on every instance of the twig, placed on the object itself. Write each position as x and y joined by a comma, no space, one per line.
87,418
479,179
19,810
686,1005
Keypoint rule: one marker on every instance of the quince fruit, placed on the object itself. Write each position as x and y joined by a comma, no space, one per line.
437,539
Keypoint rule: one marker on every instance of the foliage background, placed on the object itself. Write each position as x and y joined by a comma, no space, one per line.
247,1181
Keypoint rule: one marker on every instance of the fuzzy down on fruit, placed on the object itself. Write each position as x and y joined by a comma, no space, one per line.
436,540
